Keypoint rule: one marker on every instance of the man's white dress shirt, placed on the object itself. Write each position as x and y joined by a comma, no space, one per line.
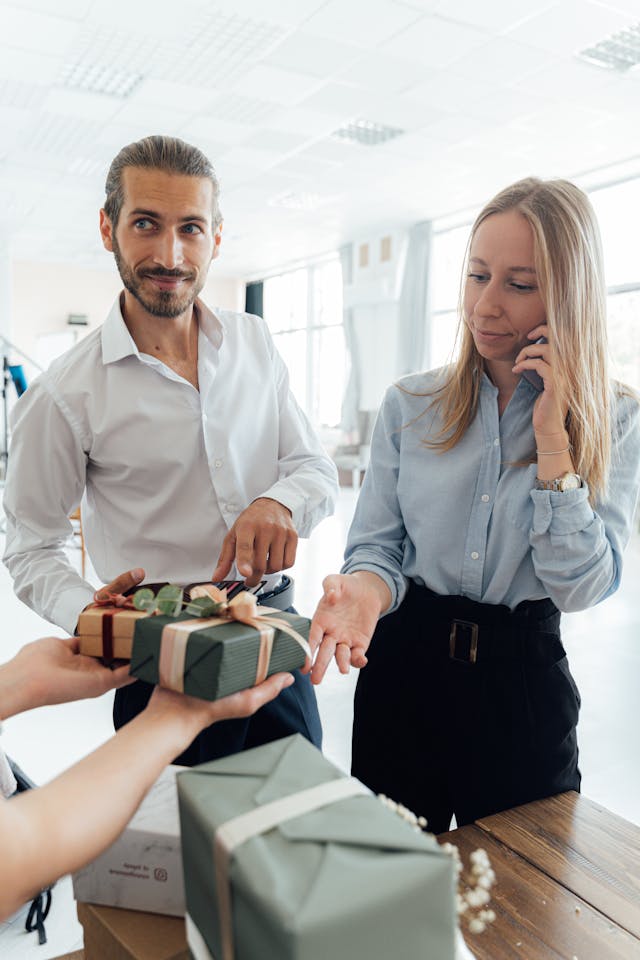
163,469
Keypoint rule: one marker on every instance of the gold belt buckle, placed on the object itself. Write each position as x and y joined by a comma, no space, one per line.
472,629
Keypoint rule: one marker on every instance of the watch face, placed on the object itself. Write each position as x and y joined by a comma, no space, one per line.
570,481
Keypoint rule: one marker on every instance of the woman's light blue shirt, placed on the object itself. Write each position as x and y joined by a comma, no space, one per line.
467,523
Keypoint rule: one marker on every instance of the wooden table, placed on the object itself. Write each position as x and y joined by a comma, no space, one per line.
568,882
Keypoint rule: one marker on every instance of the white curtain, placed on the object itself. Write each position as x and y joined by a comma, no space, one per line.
351,399
413,353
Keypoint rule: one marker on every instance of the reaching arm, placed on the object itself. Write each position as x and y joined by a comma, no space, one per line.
60,827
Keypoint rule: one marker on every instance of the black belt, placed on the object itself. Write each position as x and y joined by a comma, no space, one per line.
470,632
281,598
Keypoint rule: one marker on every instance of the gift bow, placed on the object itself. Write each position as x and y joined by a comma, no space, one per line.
243,608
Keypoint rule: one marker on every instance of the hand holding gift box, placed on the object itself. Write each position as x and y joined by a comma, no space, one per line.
212,648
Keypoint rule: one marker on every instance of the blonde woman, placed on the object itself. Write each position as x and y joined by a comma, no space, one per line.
495,498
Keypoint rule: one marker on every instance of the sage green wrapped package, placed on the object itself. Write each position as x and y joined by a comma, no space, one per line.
349,880
215,659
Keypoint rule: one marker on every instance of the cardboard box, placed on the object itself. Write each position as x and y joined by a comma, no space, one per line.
113,934
142,870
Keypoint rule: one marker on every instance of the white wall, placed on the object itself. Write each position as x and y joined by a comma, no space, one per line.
43,294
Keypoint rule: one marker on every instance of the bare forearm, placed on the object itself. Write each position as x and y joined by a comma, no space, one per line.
67,823
554,455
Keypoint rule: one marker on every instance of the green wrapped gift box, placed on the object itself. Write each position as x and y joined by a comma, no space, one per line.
348,879
212,657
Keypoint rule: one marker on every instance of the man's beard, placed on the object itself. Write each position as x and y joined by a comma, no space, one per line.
159,303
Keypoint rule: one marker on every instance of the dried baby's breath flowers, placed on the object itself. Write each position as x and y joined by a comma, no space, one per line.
473,885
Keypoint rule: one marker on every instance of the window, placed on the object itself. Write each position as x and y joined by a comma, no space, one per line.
448,253
303,309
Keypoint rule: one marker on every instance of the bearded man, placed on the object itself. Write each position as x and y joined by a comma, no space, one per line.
175,426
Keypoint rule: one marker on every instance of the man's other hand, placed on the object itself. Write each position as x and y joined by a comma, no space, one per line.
262,540
120,585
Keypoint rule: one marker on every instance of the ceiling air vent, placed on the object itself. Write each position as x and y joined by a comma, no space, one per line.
296,200
94,78
366,132
620,51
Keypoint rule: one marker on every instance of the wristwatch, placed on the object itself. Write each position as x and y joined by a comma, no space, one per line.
568,481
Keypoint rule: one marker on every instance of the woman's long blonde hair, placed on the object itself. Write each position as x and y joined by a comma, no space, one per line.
568,262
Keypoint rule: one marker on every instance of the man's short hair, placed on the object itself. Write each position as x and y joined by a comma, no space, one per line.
159,153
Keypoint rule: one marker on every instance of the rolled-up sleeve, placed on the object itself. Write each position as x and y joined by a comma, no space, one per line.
377,535
577,548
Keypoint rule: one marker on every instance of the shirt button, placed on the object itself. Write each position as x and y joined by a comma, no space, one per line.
475,555
217,464
484,497
496,442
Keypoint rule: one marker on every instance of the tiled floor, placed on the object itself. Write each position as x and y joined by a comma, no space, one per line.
603,646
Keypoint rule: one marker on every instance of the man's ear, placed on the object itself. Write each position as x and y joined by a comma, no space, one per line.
106,231
217,240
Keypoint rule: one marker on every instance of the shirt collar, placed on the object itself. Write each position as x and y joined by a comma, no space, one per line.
118,343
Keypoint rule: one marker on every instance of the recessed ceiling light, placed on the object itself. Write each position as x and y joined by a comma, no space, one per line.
620,51
366,132
296,200
97,78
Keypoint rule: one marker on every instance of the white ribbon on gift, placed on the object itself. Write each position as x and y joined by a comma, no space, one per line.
237,831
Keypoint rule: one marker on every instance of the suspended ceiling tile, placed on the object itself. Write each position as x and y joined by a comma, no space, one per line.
13,120
570,26
369,25
301,120
20,94
330,151
578,81
180,96
306,167
148,18
215,129
382,74
278,141
455,127
497,16
236,108
69,9
77,103
502,61
288,12
38,68
222,44
314,56
435,42
451,92
340,100
622,6
249,157
272,83
153,119
510,104
35,32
